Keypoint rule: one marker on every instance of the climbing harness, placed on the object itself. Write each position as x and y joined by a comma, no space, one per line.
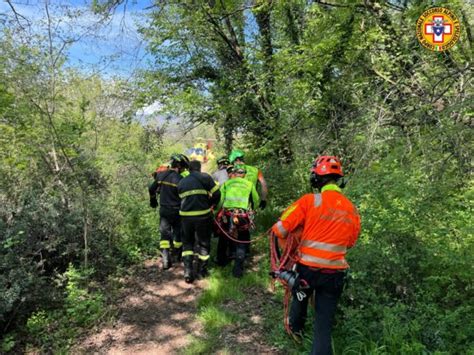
238,220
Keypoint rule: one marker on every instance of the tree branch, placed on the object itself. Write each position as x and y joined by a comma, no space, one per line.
233,36
237,52
468,28
17,15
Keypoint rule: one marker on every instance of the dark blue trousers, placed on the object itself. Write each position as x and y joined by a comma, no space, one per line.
170,226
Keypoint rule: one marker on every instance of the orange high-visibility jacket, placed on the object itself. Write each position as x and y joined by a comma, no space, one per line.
330,222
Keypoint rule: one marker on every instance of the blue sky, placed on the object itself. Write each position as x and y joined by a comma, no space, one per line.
112,48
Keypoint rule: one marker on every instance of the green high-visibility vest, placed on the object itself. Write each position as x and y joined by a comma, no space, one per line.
252,174
236,192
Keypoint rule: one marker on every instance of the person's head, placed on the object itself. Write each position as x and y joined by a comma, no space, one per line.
195,165
222,163
178,162
184,161
236,156
230,170
326,169
239,171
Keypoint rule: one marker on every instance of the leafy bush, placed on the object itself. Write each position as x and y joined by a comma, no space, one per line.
410,273
410,285
54,329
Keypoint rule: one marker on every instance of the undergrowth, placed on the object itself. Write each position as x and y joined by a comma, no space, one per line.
372,317
218,303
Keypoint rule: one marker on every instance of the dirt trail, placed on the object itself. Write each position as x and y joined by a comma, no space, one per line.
156,315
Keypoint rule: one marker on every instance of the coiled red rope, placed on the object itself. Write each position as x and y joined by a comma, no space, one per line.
278,262
285,261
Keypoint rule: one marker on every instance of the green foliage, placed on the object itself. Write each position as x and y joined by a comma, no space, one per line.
8,343
73,192
409,235
56,329
82,306
411,281
352,83
287,80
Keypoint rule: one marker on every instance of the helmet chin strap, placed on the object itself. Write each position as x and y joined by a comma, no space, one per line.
318,182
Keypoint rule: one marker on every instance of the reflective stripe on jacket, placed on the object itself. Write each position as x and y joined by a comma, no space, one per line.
331,224
198,192
238,193
166,184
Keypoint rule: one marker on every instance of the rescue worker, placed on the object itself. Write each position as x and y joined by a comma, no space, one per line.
221,175
254,175
166,184
238,198
198,193
330,225
165,167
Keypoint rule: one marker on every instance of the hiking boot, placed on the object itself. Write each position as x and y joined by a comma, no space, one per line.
166,258
188,269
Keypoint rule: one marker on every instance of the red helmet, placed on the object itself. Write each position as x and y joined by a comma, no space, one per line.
327,164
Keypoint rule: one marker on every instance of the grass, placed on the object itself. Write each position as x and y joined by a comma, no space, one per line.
219,312
225,309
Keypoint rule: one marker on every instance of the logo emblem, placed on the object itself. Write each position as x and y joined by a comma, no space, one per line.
438,29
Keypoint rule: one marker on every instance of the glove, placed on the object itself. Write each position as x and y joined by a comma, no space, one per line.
153,202
262,204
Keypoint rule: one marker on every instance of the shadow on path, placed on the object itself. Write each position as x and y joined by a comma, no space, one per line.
156,315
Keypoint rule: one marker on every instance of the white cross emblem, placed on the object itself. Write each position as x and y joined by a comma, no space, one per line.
437,28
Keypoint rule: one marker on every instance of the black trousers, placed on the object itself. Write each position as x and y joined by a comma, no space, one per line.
170,228
227,247
327,289
197,233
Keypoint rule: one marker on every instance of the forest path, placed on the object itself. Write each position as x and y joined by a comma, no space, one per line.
156,314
